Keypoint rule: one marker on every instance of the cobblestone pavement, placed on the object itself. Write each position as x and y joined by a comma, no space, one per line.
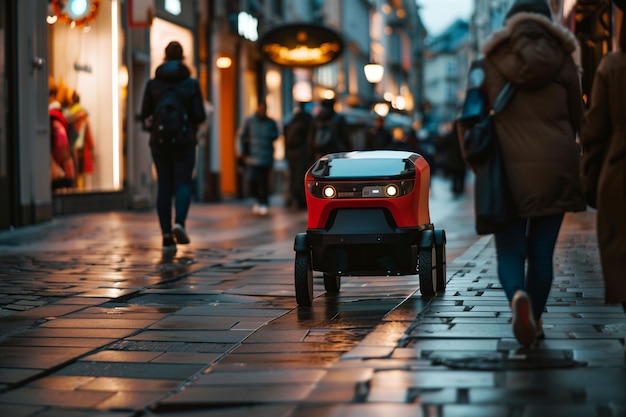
95,322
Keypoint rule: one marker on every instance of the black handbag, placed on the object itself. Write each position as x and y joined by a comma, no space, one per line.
478,141
493,204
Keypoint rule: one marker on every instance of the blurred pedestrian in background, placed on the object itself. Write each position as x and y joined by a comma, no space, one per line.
378,136
428,136
256,139
604,133
296,132
399,140
174,162
329,132
537,136
454,164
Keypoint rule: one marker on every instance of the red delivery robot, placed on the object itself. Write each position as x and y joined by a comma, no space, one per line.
368,215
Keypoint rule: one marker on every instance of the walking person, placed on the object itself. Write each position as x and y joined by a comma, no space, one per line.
455,167
171,111
296,132
256,139
378,136
329,132
537,136
604,132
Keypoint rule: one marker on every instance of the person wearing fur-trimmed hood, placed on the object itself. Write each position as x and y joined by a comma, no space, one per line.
537,136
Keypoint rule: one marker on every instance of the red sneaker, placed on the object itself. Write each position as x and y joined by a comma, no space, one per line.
524,327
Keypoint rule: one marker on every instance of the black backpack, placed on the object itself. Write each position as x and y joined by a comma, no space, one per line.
170,124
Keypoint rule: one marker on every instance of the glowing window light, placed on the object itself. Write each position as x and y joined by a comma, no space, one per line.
374,72
78,7
116,94
223,62
381,109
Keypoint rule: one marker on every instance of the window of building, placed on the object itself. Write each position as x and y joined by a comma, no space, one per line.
451,93
277,8
88,80
452,68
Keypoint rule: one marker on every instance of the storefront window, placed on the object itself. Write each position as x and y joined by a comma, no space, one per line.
87,79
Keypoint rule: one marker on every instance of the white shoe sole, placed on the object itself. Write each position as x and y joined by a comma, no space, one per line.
180,235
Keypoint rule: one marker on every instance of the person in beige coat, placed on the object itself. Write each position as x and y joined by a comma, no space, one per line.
537,135
604,130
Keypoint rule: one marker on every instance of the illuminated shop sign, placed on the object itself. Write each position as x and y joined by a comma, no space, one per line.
247,26
179,12
173,6
301,45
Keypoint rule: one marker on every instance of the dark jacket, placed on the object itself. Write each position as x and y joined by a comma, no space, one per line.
604,130
257,138
341,141
449,143
167,74
296,131
537,129
378,137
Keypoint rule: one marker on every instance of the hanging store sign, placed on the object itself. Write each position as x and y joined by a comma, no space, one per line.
140,13
301,45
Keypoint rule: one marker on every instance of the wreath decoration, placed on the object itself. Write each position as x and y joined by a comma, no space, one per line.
64,13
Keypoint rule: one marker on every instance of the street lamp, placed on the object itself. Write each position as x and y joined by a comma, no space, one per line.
374,72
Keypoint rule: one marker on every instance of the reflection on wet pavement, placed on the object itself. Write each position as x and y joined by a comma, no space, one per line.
93,317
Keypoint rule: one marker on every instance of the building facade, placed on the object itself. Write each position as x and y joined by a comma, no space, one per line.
24,125
447,55
445,71
102,56
105,54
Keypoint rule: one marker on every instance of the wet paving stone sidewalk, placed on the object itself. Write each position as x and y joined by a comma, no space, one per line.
452,355
118,330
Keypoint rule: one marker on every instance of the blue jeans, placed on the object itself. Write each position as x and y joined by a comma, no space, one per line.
533,240
174,171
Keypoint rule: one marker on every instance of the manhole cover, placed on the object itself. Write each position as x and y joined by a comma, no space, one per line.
500,364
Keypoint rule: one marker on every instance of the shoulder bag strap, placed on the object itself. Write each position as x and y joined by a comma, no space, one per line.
503,98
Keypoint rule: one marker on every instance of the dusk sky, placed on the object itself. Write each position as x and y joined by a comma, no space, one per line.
438,14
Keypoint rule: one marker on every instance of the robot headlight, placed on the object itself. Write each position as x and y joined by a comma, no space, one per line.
329,191
391,190
361,190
